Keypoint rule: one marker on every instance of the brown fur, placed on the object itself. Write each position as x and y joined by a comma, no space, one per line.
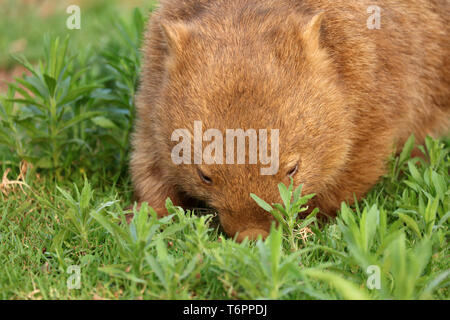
342,96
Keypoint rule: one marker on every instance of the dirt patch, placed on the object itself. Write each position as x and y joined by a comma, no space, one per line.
9,75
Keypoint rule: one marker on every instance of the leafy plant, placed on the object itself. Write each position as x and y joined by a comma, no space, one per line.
121,61
287,216
52,100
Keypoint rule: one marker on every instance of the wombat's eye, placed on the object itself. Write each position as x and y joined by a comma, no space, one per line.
292,171
204,177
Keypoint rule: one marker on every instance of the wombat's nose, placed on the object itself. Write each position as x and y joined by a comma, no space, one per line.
251,234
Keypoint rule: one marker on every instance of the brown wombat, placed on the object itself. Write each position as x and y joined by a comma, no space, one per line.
336,92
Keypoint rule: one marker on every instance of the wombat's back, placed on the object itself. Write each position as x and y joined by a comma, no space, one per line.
402,68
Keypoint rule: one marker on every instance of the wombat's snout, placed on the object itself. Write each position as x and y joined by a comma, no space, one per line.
246,221
251,234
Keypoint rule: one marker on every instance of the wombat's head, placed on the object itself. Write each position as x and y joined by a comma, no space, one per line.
254,71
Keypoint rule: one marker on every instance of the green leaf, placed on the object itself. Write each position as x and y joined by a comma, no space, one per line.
104,122
347,289
275,242
371,219
116,272
86,195
77,119
156,268
51,84
297,193
262,203
407,149
285,196
411,223
415,173
189,268
430,214
76,93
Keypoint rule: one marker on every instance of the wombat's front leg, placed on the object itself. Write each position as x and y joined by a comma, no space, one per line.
155,192
150,185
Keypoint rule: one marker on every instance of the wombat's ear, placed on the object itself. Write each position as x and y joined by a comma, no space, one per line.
176,35
311,32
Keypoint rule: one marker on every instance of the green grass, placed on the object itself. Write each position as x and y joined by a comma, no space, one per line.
28,21
64,150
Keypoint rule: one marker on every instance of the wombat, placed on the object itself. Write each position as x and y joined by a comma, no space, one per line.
336,87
